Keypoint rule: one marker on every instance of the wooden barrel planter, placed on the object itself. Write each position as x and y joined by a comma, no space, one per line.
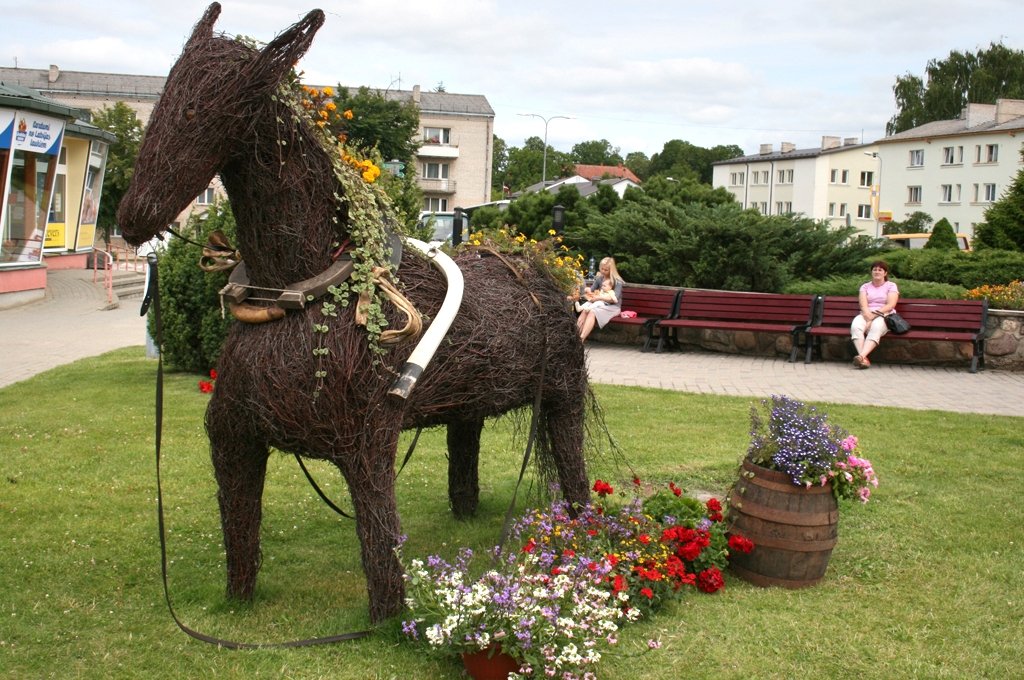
793,528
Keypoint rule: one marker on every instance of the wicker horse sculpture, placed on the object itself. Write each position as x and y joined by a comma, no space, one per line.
310,383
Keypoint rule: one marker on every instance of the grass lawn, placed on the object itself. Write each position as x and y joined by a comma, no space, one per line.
927,579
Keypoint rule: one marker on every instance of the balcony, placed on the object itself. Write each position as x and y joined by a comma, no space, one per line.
437,186
429,150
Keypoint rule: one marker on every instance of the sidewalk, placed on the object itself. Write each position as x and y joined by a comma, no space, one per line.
70,324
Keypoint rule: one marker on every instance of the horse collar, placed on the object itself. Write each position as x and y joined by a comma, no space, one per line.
293,296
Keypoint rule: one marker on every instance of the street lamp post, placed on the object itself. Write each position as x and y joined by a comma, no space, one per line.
878,194
544,168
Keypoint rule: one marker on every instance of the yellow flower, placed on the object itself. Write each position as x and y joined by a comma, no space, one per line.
348,114
331,106
313,92
328,91
323,115
321,123
552,232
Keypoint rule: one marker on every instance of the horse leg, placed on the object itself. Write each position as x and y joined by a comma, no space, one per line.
562,421
370,474
463,466
240,467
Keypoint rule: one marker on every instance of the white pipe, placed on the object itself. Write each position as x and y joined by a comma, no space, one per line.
432,337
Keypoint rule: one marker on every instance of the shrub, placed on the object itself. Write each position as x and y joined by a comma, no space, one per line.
850,285
943,237
193,327
967,269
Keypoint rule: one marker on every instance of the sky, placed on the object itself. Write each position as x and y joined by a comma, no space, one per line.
635,74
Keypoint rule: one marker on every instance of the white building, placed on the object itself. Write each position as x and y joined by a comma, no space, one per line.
953,169
836,181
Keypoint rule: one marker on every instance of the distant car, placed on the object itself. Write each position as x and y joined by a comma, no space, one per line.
914,241
442,224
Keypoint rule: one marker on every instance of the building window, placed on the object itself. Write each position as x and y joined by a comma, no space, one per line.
952,155
435,205
990,193
845,177
833,176
785,177
947,193
764,208
867,179
913,194
991,153
435,170
207,197
842,210
736,178
917,158
434,135
864,211
956,194
831,209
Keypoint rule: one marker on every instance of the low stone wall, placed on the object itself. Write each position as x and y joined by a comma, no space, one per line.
1004,347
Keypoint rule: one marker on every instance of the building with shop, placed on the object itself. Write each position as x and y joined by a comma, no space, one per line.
52,162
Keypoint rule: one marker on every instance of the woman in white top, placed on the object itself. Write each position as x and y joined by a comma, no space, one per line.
611,299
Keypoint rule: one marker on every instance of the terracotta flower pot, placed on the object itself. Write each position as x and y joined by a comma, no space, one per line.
489,664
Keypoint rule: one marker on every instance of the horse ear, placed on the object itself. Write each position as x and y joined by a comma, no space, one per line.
204,27
278,57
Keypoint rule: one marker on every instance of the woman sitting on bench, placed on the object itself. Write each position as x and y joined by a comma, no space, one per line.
877,298
611,300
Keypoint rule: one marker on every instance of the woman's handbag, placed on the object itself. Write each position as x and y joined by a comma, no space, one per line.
896,323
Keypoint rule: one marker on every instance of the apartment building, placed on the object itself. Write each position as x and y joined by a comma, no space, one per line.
453,162
837,181
953,169
458,145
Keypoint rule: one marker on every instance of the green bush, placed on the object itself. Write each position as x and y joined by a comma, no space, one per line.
943,237
967,269
850,285
193,327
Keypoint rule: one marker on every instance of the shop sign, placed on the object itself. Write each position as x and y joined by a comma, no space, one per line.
37,133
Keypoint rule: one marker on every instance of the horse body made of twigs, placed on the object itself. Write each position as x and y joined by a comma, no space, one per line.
512,337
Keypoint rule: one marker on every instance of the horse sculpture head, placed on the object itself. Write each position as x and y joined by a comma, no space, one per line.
207,106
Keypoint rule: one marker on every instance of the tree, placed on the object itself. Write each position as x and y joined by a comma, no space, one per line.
388,128
680,160
121,120
917,222
595,152
952,83
1003,227
943,236
639,163
499,164
525,165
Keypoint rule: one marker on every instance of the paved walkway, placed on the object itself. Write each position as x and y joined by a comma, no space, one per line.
71,324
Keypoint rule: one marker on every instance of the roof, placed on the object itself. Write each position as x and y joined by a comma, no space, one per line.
445,102
18,97
951,128
812,152
596,172
80,83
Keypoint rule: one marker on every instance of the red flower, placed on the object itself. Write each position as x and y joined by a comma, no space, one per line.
205,386
644,538
715,517
555,571
567,553
713,505
619,584
675,489
710,580
603,489
530,546
213,374
647,592
689,551
741,544
612,559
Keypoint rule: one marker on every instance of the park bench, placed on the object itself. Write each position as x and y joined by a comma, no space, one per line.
650,305
935,320
738,311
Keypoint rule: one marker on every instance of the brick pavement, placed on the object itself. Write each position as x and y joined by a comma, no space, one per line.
70,324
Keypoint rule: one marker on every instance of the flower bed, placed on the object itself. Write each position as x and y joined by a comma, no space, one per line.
557,596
